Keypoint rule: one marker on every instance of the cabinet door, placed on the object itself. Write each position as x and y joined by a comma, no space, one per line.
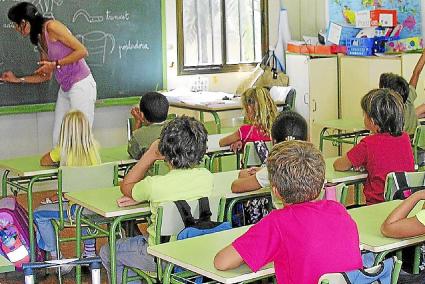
359,75
408,63
297,69
323,73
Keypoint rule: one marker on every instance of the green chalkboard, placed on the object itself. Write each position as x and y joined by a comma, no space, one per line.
124,39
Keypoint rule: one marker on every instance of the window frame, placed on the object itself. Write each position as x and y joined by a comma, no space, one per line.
224,67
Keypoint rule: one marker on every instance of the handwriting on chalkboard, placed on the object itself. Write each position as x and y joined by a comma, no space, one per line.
89,18
46,6
129,45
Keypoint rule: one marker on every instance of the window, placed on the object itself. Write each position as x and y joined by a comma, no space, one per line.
220,35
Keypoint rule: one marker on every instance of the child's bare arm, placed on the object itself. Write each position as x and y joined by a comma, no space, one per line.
420,111
417,71
245,184
227,258
397,225
342,164
46,160
230,139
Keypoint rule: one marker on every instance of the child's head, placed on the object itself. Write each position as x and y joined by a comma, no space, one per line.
296,171
154,107
396,83
76,141
183,142
383,110
259,107
289,125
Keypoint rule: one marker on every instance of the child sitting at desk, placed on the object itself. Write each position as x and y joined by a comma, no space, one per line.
149,120
408,93
288,126
386,150
76,147
182,145
260,111
296,237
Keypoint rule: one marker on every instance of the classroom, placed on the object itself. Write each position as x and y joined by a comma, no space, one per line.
212,141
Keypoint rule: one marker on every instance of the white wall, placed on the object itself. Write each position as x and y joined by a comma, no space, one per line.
27,134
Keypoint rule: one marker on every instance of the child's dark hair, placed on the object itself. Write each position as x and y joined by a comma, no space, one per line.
183,142
385,108
289,125
154,107
28,12
396,83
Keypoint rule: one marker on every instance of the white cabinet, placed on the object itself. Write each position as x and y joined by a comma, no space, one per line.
316,82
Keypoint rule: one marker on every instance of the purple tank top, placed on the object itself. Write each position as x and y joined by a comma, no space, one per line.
68,74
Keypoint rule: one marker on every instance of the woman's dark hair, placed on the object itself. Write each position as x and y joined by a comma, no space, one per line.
183,142
289,125
385,108
28,12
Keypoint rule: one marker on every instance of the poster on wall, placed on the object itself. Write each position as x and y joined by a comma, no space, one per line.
409,12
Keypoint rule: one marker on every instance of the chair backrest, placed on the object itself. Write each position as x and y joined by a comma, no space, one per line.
169,222
340,278
250,154
418,142
412,178
87,177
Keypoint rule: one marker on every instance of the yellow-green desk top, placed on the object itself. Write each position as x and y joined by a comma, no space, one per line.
333,176
28,166
6,265
350,125
369,220
186,254
104,202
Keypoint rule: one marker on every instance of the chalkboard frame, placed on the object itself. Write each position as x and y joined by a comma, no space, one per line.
48,107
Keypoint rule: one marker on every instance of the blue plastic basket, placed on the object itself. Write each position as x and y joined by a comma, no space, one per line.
360,46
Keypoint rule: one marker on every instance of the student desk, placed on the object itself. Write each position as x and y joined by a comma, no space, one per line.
369,220
192,254
347,177
6,265
348,131
104,203
27,171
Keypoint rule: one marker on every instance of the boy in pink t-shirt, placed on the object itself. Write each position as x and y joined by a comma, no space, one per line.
306,238
386,150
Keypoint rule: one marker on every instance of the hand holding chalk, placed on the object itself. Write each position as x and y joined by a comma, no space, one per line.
46,67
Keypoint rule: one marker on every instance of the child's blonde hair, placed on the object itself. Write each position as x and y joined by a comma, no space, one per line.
76,141
265,110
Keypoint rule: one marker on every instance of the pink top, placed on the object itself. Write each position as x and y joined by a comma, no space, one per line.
68,74
304,241
381,154
251,133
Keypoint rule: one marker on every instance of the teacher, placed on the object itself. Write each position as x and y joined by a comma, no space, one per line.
60,53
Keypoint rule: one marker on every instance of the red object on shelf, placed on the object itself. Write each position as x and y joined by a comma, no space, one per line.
383,18
316,49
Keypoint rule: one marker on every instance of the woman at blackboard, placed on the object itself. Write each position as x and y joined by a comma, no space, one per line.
60,53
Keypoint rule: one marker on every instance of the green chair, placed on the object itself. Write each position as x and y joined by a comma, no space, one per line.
168,225
71,179
418,143
250,156
413,179
338,278
341,193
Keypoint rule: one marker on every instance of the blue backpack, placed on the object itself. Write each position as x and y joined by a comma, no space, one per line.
197,227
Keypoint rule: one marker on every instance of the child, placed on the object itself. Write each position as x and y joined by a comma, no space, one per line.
182,145
260,111
386,150
76,147
408,93
149,120
288,126
306,238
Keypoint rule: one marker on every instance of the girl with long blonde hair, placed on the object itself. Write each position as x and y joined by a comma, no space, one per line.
76,147
260,113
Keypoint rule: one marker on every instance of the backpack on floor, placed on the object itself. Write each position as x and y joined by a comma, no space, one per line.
14,236
197,227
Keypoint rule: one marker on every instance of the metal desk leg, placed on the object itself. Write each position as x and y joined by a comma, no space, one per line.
78,212
322,135
201,116
31,218
217,121
4,184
